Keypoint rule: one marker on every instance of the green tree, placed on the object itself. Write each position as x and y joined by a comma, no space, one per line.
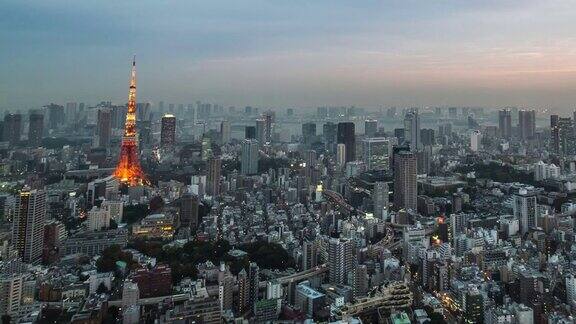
134,213
102,289
156,204
268,255
109,257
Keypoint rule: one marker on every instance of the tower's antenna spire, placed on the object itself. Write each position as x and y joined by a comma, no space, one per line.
134,60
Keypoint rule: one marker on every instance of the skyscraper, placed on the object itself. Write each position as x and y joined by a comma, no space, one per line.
505,123
168,130
475,138
570,288
310,255
567,136
254,284
104,127
11,294
214,167
376,153
329,132
308,133
555,133
527,124
346,135
340,260
225,131
370,127
380,198
243,292
189,205
35,128
427,137
144,110
474,310
12,128
249,158
525,206
118,115
145,133
249,132
225,289
55,115
28,224
405,184
341,155
264,128
261,130
412,130
71,113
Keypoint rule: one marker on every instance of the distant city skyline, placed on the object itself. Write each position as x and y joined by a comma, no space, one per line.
294,54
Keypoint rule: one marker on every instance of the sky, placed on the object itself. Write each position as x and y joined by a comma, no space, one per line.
297,53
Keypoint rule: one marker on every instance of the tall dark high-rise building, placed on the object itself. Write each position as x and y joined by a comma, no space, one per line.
505,123
249,157
12,128
412,130
144,110
427,137
35,128
264,128
249,132
117,114
424,160
144,133
56,115
405,184
260,130
168,130
555,133
527,124
474,310
370,127
254,283
71,113
243,292
347,136
104,127
380,197
189,205
329,132
400,134
225,132
214,167
567,136
28,224
308,133
310,254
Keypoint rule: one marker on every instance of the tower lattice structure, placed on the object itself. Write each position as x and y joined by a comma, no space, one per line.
129,170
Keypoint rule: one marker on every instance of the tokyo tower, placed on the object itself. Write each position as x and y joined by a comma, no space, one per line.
129,171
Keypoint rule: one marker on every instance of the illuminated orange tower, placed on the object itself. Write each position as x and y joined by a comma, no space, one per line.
129,170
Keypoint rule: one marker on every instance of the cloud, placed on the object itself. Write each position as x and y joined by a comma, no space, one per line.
287,53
